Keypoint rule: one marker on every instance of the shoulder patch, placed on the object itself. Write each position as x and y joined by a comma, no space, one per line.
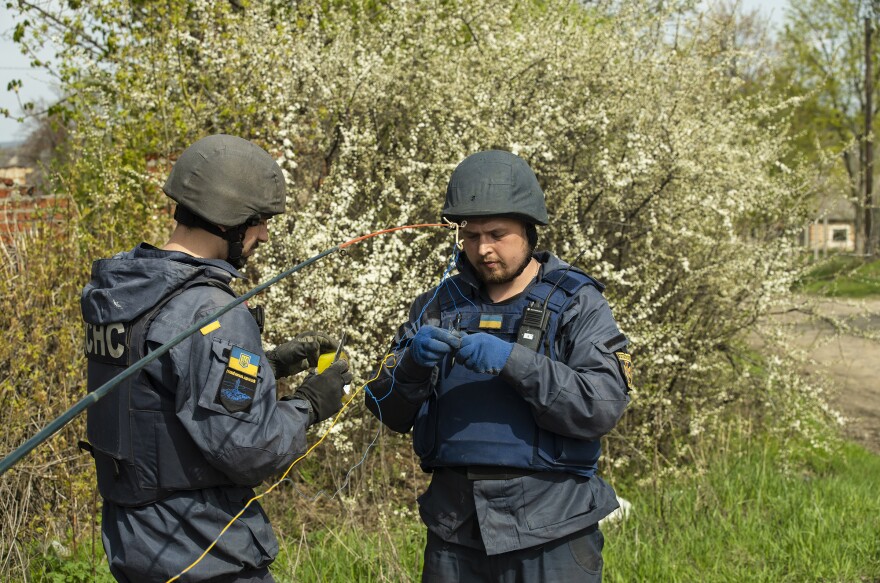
239,381
626,367
207,329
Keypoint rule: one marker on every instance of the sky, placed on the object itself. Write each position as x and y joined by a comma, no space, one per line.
38,85
14,65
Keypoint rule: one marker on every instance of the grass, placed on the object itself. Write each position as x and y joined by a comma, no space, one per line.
749,517
843,276
346,554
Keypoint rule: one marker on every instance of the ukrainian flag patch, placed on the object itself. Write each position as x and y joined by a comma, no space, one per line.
245,362
626,366
239,382
491,321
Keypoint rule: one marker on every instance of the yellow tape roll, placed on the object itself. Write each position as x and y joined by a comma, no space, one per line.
326,360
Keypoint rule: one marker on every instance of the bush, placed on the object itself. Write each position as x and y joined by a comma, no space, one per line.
657,167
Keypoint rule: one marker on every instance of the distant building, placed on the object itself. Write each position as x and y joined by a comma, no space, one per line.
22,206
14,167
834,227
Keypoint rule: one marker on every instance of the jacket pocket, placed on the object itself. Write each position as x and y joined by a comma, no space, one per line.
553,498
264,545
559,450
221,377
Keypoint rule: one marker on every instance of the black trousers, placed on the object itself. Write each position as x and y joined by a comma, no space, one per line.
256,576
577,557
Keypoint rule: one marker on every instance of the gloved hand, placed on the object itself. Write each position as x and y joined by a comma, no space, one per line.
430,344
483,353
300,353
324,391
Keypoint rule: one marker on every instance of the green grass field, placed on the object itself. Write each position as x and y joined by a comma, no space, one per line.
749,517
842,276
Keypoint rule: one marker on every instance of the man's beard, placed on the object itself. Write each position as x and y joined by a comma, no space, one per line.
496,278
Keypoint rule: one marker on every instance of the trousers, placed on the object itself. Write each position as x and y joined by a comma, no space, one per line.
577,557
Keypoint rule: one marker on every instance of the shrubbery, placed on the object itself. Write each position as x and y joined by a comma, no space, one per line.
655,164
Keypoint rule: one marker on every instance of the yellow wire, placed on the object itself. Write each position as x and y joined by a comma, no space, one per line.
283,476
448,223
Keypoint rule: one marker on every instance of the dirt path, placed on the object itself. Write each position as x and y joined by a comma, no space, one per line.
852,362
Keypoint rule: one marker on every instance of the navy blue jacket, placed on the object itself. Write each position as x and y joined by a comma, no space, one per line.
579,391
156,540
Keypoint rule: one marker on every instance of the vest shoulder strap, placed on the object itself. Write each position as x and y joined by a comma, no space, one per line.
142,325
563,285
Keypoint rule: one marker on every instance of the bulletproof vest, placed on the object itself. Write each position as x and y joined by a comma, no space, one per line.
479,419
142,452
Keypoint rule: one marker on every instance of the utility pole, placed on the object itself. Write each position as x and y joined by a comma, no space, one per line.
870,235
872,208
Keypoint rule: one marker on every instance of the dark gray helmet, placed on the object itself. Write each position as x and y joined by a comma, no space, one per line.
227,181
495,183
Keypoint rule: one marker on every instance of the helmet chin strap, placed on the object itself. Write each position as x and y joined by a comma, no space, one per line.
235,239
233,236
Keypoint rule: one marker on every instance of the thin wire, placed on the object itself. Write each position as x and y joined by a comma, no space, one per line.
406,338
93,396
283,476
382,232
345,405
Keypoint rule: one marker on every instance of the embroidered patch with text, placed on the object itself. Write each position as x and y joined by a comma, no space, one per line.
626,366
239,382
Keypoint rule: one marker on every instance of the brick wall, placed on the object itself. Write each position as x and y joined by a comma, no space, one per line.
22,207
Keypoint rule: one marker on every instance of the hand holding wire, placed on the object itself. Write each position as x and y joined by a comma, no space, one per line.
299,354
324,391
483,353
431,344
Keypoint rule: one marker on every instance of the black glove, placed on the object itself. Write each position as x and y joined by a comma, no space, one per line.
324,391
300,353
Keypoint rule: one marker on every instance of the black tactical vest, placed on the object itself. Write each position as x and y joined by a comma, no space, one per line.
142,452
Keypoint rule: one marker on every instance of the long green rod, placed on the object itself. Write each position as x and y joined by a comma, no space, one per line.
68,416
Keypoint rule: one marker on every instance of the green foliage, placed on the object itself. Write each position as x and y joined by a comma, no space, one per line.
843,277
83,563
654,163
822,62
753,515
40,277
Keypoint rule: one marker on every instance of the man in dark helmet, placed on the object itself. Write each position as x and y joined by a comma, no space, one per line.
179,446
508,375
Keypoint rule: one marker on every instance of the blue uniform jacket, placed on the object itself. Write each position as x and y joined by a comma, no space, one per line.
581,394
154,542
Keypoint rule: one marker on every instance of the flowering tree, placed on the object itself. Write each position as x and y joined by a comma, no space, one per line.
823,57
660,173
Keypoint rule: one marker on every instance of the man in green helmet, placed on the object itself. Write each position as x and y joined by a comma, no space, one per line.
179,446
508,374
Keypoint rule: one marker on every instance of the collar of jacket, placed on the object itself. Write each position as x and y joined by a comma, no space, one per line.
145,250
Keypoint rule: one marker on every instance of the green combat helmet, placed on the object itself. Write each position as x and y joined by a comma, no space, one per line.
226,181
495,183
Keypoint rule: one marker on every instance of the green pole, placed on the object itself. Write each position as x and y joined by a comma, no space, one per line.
81,405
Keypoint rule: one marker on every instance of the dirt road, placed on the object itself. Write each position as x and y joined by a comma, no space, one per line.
849,360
